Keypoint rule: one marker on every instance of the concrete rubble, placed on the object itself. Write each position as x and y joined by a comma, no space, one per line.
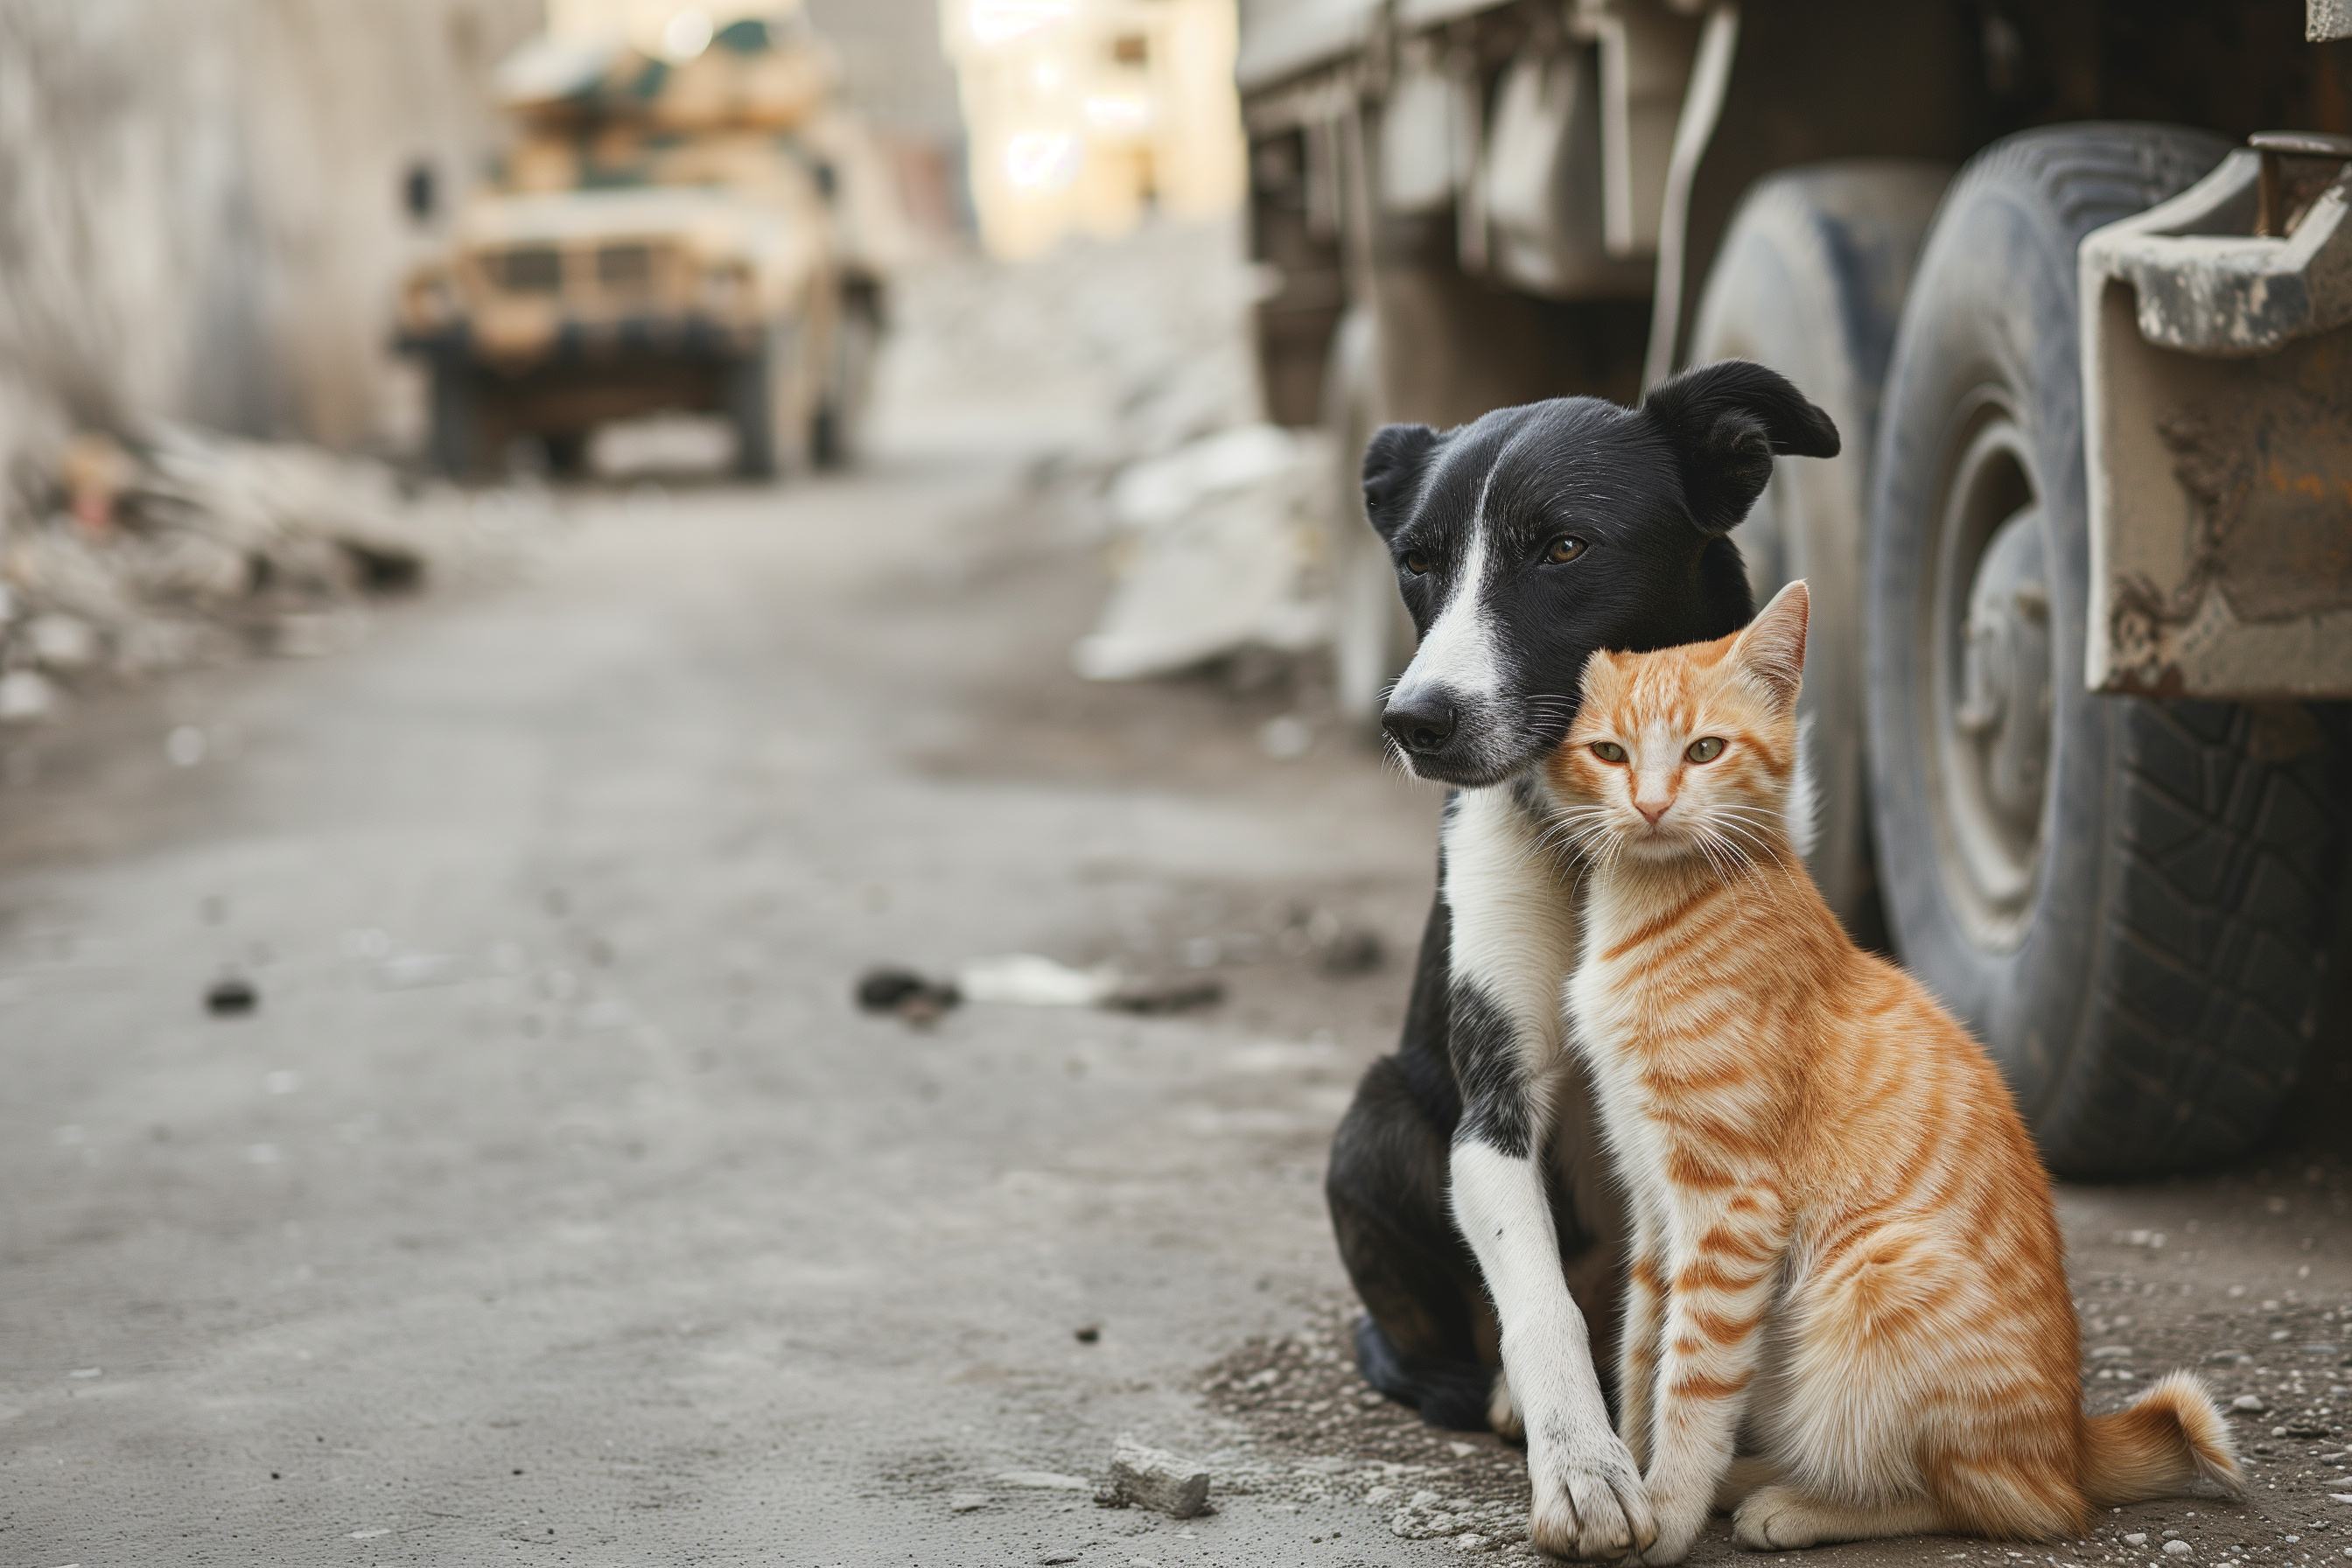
1145,1477
124,558
1208,515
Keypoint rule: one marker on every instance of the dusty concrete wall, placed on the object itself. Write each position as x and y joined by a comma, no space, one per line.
199,203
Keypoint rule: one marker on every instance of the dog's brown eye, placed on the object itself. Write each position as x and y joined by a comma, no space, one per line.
1563,550
1705,749
1415,561
1609,750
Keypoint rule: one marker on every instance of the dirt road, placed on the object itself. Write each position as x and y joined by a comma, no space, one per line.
554,1205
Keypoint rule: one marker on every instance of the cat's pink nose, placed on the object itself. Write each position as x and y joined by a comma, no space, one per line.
1650,813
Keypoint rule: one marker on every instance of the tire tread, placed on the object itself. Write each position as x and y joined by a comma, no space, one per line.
2228,839
2211,933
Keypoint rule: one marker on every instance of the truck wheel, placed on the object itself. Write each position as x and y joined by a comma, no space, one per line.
1811,280
834,435
459,439
1371,636
2124,899
759,406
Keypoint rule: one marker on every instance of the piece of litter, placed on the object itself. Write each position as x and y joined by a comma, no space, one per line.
1026,980
1151,1477
231,996
1151,998
914,997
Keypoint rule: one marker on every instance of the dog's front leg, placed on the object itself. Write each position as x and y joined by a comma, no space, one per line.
1514,942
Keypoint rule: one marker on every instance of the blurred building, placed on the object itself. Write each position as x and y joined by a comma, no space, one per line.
1084,115
893,73
205,204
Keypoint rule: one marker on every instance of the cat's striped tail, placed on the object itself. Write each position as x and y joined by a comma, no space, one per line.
2159,1446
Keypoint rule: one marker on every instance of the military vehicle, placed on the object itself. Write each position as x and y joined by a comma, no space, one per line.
708,235
2074,278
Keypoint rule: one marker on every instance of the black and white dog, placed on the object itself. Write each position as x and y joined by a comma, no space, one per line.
1524,542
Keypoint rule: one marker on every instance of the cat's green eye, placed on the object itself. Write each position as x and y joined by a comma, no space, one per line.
1705,749
1609,750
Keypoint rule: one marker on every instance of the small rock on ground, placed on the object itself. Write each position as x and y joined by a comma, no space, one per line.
1150,1477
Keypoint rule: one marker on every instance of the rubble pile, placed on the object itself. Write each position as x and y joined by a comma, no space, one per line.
127,558
1210,514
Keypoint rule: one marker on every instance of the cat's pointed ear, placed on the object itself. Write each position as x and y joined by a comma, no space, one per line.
1772,649
1725,422
1600,671
1394,465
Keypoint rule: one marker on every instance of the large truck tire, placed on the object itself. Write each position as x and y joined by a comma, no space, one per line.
457,435
759,406
2127,900
1810,280
1371,636
835,434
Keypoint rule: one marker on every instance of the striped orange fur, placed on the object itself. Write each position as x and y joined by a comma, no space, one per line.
1844,1241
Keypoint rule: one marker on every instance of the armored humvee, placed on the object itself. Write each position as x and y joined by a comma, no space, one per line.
2074,278
705,236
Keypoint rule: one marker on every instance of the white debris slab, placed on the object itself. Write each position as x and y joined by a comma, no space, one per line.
1026,980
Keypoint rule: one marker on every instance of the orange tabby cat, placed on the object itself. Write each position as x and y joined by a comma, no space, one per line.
1843,1244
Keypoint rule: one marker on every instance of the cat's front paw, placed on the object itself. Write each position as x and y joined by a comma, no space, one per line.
1590,1504
1775,1519
1681,1512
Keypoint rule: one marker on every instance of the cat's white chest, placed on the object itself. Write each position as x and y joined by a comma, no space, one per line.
1607,997
1631,1022
1605,1007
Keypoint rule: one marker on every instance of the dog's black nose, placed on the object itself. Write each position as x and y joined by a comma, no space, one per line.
1421,726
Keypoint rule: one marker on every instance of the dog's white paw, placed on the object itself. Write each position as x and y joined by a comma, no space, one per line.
1775,1519
1590,1504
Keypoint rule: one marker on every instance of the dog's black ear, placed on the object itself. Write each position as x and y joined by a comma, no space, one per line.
1726,421
1393,464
